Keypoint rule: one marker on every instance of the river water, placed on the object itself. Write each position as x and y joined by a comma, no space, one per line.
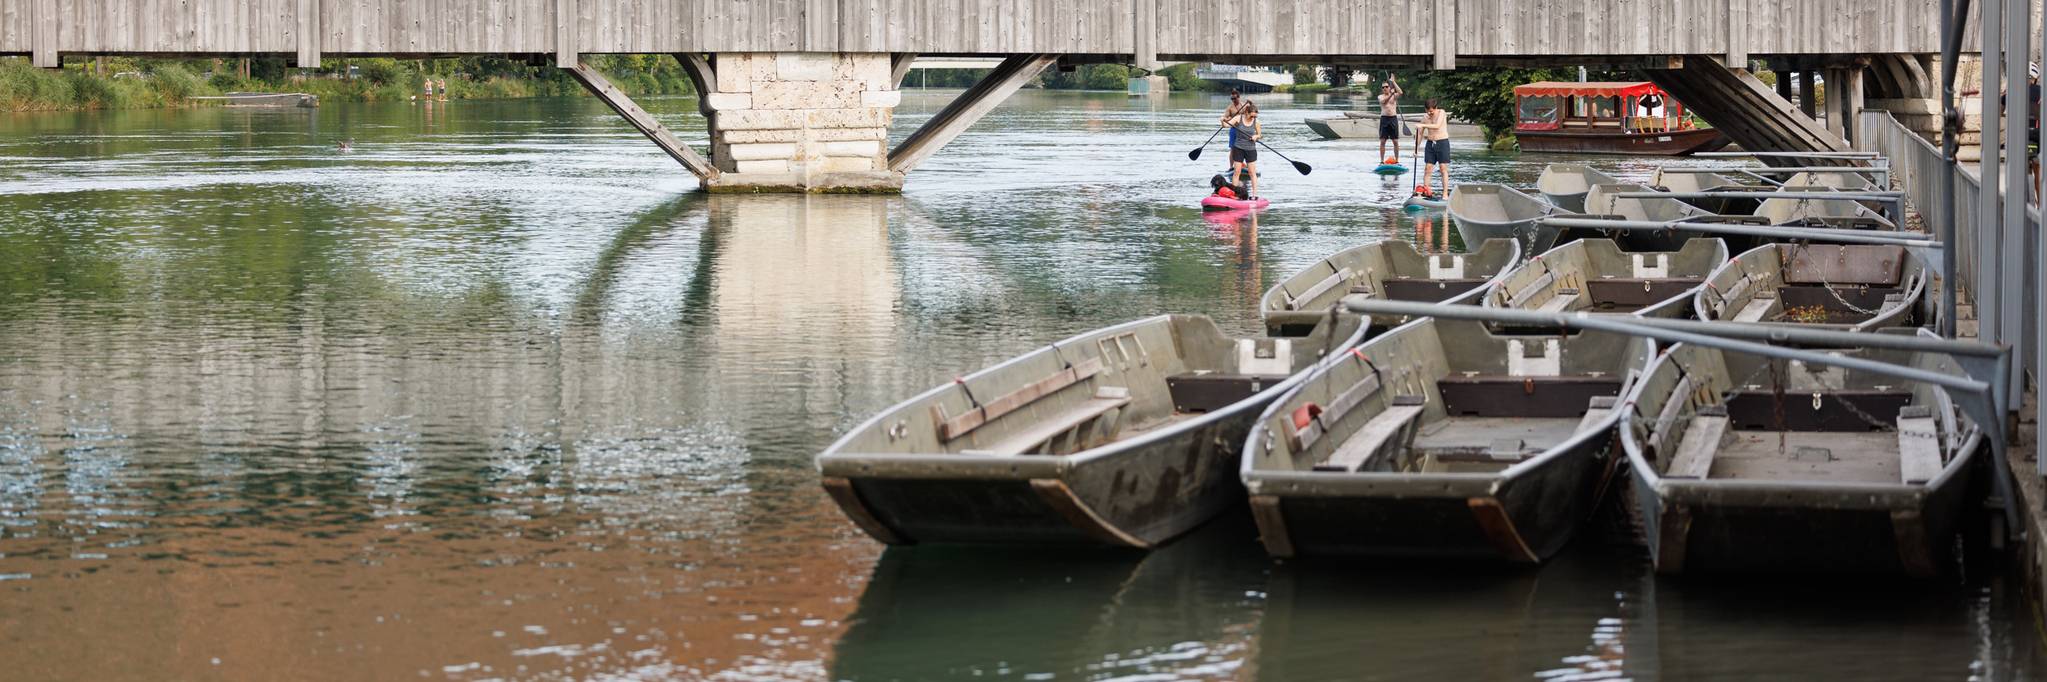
495,395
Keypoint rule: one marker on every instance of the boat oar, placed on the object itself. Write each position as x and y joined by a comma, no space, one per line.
1302,167
1196,154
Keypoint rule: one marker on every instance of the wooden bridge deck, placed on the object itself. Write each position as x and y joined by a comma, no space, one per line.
1435,31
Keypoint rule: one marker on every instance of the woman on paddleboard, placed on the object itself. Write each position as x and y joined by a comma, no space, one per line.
1245,133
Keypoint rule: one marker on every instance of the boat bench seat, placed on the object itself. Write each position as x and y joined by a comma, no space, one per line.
1499,395
1106,400
1918,445
1759,309
1430,290
1561,302
1206,391
1393,427
1638,292
1709,429
1758,409
954,427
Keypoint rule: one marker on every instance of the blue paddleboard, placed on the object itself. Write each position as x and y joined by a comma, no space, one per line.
1390,169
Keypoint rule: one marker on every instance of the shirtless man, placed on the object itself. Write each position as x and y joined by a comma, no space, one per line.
1434,134
1389,116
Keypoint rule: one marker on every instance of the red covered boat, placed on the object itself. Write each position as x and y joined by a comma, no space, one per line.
1607,118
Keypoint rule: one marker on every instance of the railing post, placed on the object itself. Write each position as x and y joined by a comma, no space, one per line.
1983,291
2011,243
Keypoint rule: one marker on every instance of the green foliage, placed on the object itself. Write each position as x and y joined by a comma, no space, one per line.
1304,74
1310,88
1183,79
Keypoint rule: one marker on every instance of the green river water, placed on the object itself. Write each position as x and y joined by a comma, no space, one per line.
496,395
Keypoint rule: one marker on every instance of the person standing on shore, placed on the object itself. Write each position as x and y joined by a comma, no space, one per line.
1434,134
1389,118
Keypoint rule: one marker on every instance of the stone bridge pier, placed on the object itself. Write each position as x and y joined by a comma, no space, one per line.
808,122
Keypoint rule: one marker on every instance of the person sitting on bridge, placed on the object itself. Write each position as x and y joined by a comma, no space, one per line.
1389,118
1244,147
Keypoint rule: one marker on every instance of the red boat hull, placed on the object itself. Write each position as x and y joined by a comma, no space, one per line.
1674,143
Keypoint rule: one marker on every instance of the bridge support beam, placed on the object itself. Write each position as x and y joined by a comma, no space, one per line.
1747,109
969,107
801,122
598,85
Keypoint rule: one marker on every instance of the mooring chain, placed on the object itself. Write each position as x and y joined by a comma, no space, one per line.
1824,284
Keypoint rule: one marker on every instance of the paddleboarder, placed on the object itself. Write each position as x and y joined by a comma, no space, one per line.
1389,118
1236,107
1434,134
1244,135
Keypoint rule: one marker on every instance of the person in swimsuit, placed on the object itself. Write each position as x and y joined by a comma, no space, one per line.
1236,107
1244,148
1434,134
1389,117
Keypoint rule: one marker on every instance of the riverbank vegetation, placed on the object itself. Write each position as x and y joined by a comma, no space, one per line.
135,83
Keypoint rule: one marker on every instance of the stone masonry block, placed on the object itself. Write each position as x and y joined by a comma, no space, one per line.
841,164
881,98
762,151
762,68
873,70
763,166
803,95
729,101
867,148
752,136
757,119
841,134
734,71
803,66
848,118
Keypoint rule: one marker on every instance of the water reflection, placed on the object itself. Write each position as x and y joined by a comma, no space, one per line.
1182,612
492,396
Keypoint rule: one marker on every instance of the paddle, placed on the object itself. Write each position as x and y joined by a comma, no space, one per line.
1196,154
1302,167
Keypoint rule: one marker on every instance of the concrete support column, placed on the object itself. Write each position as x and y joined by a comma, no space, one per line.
1784,85
1836,94
802,122
1851,102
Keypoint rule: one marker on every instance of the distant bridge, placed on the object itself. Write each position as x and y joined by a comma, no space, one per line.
799,92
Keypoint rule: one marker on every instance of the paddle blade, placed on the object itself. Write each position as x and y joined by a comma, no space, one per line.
1196,154
1303,168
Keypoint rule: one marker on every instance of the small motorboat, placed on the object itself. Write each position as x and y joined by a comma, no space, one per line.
1597,276
1123,436
1486,210
1441,438
1691,183
1387,270
1742,463
1565,184
1602,200
1216,203
1840,213
1852,287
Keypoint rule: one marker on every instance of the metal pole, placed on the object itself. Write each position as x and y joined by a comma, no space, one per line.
2011,242
2039,293
1838,236
1950,126
1984,290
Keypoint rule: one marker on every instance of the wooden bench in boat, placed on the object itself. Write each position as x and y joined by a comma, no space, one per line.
1430,290
1561,302
1763,306
1636,292
1756,408
1393,427
1708,430
1511,449
1498,395
1208,391
1918,445
1106,400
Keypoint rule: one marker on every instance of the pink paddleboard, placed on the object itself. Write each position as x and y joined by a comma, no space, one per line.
1216,203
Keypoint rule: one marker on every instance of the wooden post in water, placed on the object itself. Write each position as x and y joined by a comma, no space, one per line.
1807,102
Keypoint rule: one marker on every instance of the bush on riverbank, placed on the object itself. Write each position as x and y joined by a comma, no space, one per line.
156,83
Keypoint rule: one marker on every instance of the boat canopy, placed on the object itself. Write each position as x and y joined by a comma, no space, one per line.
1596,89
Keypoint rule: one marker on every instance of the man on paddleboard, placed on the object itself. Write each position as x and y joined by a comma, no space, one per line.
1236,107
1434,134
1389,118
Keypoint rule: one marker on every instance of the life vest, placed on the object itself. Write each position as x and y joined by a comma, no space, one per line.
1225,192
